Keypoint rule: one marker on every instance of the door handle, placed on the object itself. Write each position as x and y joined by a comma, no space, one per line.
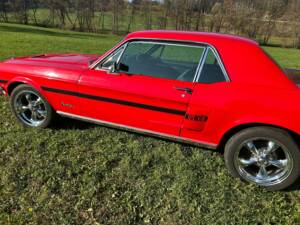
186,90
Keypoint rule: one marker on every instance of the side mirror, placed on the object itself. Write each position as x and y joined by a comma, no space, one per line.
122,67
118,67
113,68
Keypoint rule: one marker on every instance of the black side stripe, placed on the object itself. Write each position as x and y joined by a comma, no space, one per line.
3,81
116,101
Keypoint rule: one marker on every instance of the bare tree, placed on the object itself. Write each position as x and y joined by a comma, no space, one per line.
117,6
4,4
134,5
200,18
217,17
166,9
293,13
20,9
147,13
275,9
85,14
34,7
102,7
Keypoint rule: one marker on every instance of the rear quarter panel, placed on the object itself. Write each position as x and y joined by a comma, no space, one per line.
228,105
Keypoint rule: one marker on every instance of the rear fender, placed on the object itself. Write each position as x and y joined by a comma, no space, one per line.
251,122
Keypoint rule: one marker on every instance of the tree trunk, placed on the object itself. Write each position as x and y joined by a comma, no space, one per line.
131,18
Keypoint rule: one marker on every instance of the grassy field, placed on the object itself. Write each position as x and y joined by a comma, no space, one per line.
77,173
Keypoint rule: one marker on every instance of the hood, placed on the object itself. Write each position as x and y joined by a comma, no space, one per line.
56,60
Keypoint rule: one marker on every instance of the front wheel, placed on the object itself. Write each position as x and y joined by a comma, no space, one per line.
265,156
30,107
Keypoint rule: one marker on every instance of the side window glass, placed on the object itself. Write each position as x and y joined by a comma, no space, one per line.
169,61
111,59
135,55
211,72
183,54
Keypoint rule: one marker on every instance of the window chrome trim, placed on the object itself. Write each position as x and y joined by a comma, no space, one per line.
140,130
201,65
171,41
160,42
216,55
220,63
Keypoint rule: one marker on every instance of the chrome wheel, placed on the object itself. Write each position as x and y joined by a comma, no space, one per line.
263,161
30,108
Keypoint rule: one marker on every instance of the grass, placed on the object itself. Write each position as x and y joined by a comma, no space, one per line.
287,58
77,173
18,40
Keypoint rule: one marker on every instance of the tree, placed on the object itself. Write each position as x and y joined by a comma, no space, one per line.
85,14
4,4
275,9
134,5
117,6
217,17
147,13
20,10
293,14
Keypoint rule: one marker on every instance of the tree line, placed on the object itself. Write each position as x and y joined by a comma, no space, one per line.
257,19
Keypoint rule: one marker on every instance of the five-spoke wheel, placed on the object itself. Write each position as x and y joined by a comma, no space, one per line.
30,107
266,156
263,161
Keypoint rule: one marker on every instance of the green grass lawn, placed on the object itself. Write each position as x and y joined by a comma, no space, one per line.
77,173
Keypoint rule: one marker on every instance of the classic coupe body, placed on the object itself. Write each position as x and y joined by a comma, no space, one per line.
214,90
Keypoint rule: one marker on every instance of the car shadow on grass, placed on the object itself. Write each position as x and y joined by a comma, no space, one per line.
63,123
294,187
71,124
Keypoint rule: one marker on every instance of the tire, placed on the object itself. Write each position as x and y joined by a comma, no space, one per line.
265,156
30,108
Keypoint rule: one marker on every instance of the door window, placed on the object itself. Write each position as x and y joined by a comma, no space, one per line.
161,60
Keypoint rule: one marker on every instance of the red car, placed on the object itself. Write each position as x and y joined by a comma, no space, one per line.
217,91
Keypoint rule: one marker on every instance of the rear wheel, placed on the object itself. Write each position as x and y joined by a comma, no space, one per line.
266,156
30,107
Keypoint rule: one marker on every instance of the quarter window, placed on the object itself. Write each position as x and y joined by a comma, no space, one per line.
161,60
212,71
111,59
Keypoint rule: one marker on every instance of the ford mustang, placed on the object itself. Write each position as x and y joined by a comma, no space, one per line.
217,91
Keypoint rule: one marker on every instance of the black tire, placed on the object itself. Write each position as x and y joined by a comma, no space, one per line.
246,150
45,114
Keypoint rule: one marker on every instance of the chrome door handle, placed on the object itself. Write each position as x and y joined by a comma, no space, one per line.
186,90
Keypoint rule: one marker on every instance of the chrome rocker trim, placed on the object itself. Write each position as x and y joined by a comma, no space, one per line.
138,130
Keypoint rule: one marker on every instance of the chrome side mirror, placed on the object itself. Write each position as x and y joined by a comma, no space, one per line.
113,68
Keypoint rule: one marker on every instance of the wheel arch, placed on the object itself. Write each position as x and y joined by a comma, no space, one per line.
19,81
234,130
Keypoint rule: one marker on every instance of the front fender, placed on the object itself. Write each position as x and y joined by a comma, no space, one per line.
23,80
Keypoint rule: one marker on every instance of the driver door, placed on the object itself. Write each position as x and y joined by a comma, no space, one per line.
150,89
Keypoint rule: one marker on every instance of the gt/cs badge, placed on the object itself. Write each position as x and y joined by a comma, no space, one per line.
199,118
66,105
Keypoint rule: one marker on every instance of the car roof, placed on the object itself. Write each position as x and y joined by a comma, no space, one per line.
243,59
189,36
